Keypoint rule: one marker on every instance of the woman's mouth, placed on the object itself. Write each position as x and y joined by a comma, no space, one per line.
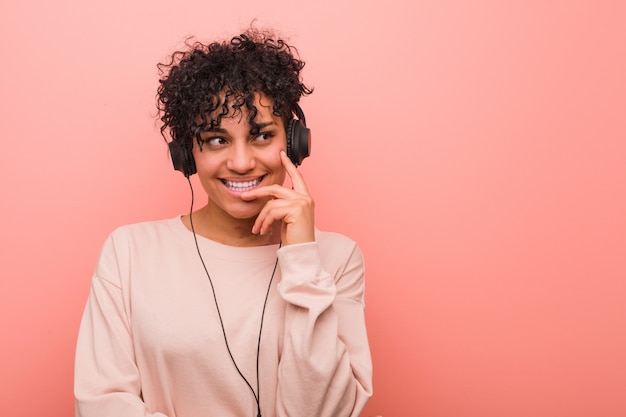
241,186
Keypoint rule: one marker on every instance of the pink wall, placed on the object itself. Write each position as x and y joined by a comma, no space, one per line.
475,152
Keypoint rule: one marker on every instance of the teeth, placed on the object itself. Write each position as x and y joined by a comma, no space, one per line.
242,185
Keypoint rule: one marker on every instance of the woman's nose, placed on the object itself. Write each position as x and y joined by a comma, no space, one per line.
241,158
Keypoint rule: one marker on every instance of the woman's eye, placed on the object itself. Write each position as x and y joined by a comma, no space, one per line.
214,141
263,137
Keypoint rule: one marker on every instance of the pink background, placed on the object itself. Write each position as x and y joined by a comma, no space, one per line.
474,149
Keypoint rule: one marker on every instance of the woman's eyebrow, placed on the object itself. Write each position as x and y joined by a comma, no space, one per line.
218,129
265,124
215,129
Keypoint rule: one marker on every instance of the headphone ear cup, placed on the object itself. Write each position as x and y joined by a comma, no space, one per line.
298,141
182,159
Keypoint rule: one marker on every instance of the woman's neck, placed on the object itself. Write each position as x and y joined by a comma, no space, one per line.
227,230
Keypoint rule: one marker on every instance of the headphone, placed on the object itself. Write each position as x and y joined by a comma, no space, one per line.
298,146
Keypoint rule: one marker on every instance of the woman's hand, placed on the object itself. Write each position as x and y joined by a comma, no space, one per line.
294,207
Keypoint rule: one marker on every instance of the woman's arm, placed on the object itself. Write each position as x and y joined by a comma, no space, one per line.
106,379
325,368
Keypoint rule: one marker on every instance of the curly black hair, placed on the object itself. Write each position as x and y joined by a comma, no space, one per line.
210,81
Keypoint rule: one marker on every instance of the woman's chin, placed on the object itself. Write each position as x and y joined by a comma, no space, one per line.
246,211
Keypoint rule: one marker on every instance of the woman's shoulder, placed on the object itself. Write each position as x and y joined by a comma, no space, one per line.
326,238
144,240
148,228
147,234
343,259
337,245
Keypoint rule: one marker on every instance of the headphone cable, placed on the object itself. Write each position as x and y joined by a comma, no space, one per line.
257,394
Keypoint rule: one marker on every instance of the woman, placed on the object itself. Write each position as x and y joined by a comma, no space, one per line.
241,308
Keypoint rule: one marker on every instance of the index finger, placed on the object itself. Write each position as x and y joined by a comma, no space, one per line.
296,178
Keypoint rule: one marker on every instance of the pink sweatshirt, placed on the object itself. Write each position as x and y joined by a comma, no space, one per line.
150,341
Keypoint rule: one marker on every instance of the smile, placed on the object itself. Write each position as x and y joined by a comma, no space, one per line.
241,186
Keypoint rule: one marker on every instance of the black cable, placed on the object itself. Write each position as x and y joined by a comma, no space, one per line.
258,346
257,394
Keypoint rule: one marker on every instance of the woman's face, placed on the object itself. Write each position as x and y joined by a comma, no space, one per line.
231,160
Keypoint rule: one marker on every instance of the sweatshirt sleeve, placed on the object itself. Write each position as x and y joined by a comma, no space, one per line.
325,369
106,378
